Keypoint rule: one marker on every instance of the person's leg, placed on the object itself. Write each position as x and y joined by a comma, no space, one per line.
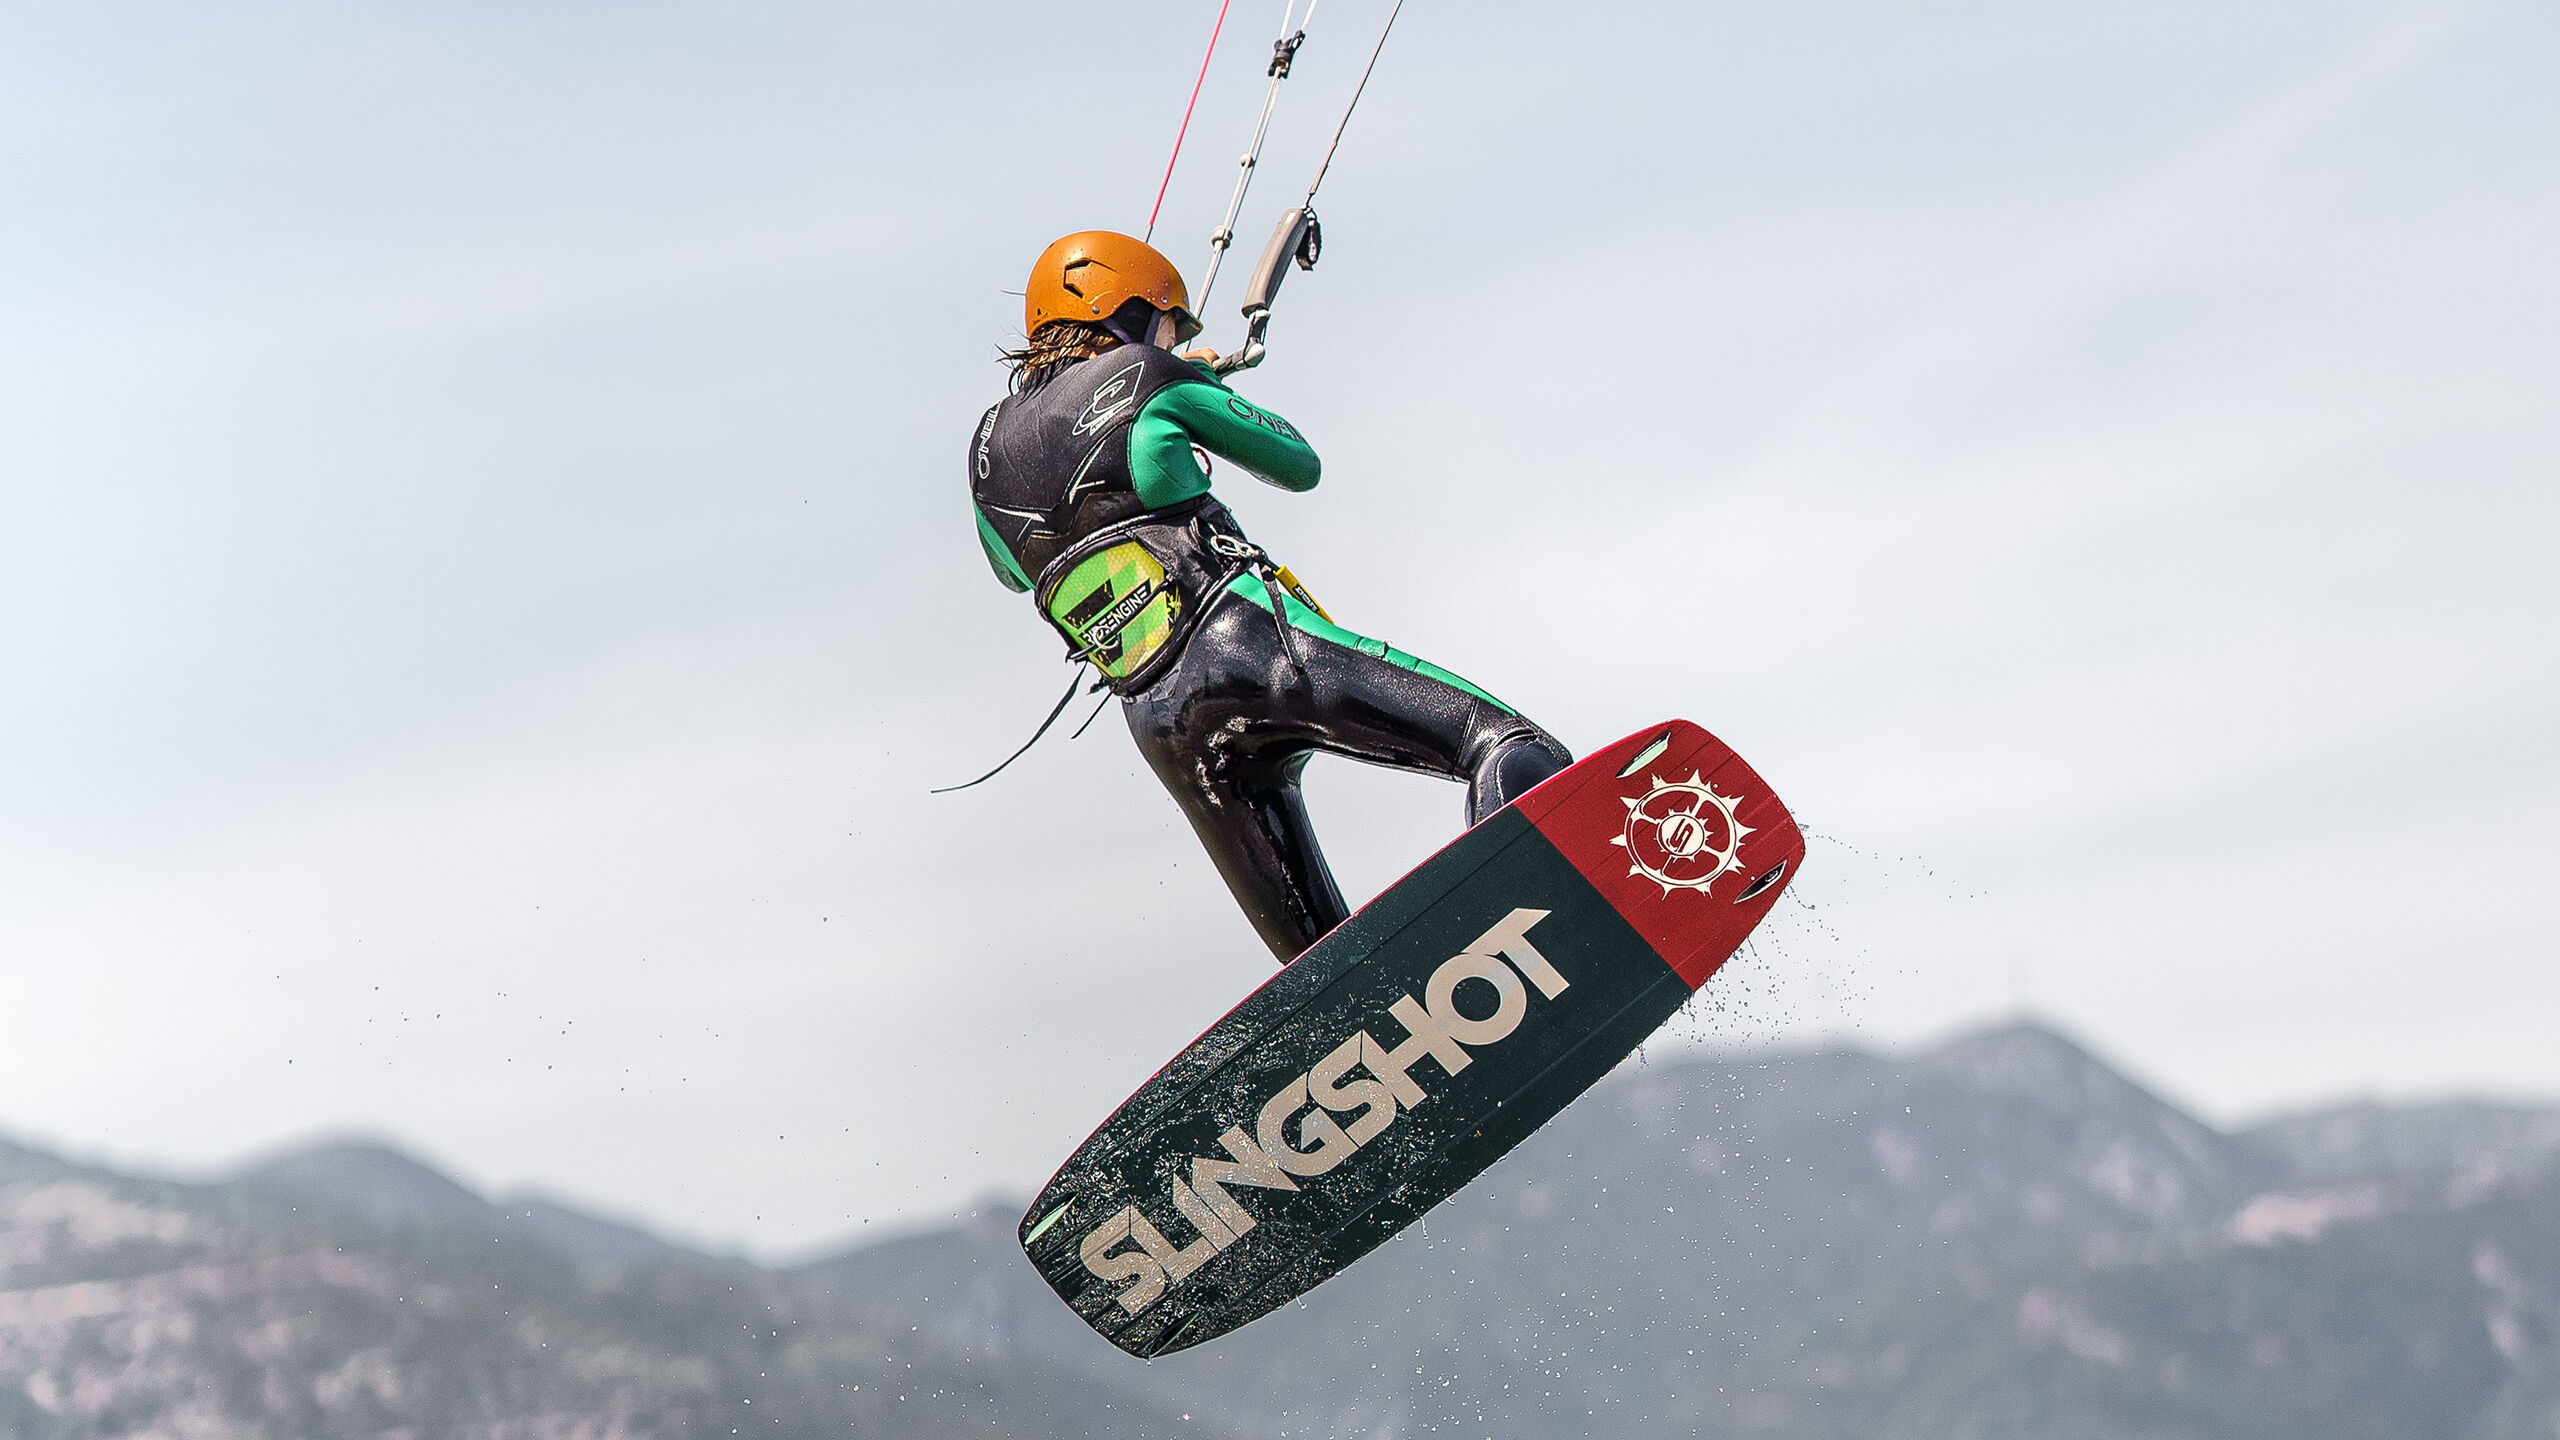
1370,701
1228,730
1244,803
1510,768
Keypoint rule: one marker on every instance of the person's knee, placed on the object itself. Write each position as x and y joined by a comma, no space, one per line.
1514,765
1526,759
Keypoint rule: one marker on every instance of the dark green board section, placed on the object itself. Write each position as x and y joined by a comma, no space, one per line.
1616,991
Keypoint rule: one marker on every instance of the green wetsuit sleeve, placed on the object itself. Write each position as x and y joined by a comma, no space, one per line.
1226,425
1008,569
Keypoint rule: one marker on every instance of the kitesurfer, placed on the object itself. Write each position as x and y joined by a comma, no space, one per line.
1091,484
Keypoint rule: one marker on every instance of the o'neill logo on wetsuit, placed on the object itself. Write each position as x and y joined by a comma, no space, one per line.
1244,409
1117,394
1328,1110
986,438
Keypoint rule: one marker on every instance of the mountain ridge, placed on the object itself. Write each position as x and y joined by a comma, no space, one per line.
1999,1235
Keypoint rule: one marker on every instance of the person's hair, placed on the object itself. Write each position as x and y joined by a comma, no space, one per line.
1061,343
1055,346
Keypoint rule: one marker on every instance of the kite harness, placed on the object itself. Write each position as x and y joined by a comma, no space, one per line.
1091,495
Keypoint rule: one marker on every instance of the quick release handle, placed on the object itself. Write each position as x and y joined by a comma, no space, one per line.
1299,237
1288,240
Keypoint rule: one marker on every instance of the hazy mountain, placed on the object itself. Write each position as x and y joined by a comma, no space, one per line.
373,1181
395,1192
348,1291
1999,1237
2459,1144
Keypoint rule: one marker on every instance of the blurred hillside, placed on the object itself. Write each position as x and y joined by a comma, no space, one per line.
2000,1237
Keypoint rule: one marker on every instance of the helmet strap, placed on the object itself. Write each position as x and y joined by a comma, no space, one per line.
1133,323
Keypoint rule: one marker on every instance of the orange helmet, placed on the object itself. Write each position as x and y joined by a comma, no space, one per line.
1091,274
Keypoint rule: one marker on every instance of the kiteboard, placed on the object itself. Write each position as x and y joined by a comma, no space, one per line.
1415,1044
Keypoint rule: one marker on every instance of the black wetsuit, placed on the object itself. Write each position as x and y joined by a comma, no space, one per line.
1090,494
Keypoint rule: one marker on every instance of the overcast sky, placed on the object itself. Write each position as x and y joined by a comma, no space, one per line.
486,581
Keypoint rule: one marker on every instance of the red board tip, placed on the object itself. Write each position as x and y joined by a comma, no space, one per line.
1686,841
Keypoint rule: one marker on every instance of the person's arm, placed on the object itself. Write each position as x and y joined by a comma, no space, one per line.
999,559
1226,425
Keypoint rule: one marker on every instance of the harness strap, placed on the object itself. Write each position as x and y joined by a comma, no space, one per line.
1054,711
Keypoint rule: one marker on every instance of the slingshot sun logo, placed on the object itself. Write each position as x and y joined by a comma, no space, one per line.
1682,835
